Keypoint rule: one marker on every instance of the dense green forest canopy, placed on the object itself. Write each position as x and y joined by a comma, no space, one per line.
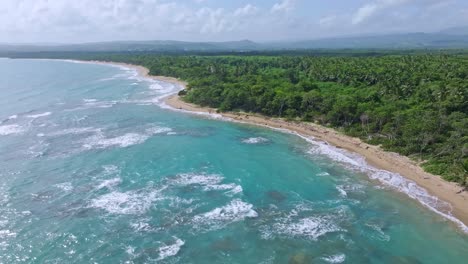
416,105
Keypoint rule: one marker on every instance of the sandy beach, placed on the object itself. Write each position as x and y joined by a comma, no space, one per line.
374,155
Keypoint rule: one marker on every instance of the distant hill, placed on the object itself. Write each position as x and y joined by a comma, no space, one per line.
394,41
452,38
455,31
134,46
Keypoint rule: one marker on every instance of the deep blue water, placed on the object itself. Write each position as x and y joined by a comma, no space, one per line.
93,170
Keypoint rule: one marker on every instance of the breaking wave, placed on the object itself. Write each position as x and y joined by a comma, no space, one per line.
39,115
65,186
236,210
131,202
390,179
100,141
129,139
338,258
11,129
299,223
170,250
208,182
255,140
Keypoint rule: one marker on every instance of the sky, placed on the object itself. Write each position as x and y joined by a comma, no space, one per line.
78,21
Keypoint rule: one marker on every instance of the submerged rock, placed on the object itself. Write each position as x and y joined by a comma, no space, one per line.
299,258
225,244
404,260
276,195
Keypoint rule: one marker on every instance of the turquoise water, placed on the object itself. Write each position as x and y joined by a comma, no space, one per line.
92,170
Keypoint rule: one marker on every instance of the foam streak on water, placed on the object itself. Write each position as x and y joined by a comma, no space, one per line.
236,210
39,115
170,250
11,129
130,202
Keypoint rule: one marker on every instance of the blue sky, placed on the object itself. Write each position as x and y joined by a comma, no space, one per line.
68,21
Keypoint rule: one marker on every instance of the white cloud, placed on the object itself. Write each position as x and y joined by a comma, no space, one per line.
214,20
283,6
372,8
247,10
396,8
328,20
364,12
198,20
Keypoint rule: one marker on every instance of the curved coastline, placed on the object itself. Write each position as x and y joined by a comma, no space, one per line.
376,159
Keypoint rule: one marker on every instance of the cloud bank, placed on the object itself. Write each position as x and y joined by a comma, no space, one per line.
202,20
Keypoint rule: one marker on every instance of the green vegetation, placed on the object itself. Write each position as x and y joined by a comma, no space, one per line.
416,105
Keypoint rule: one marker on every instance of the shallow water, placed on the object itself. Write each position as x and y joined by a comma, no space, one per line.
93,171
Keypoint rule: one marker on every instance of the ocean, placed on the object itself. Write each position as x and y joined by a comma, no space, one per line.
95,168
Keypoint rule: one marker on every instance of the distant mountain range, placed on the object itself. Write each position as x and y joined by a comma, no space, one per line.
452,38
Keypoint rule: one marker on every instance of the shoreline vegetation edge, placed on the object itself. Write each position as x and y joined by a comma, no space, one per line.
375,156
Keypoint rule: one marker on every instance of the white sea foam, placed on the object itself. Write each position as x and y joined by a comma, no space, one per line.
177,201
92,104
11,129
156,86
342,192
194,178
130,251
158,130
99,104
255,140
236,210
39,115
7,234
131,202
215,116
416,192
129,139
208,182
392,180
12,117
109,184
65,186
100,141
310,227
336,154
170,250
220,187
141,226
338,258
163,89
110,169
73,131
345,189
237,189
300,223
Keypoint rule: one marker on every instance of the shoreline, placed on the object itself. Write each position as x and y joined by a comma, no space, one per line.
142,71
376,157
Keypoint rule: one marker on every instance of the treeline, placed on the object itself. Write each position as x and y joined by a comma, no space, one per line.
416,105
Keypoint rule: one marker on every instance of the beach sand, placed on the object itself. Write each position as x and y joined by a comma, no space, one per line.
374,155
